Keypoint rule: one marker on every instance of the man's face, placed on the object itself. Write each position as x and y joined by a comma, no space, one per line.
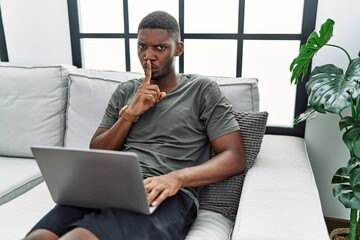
157,46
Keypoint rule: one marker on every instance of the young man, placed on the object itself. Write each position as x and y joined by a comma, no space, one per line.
172,122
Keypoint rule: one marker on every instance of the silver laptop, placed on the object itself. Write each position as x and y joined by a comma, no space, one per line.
93,178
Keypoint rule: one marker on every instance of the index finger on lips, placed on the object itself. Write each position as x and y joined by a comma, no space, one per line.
147,73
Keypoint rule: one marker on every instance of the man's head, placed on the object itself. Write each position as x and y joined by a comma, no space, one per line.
159,42
161,20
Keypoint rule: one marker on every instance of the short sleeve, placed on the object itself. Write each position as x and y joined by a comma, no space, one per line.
111,112
216,112
122,96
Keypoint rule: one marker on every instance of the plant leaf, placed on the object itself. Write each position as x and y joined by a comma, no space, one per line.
347,121
299,66
332,91
341,176
344,190
351,138
353,163
341,189
357,148
309,114
349,200
355,182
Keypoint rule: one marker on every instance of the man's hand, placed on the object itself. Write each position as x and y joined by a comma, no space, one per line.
161,187
147,94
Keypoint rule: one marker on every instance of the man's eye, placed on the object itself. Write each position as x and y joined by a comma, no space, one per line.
161,48
141,46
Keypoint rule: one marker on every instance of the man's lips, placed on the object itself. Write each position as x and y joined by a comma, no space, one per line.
153,67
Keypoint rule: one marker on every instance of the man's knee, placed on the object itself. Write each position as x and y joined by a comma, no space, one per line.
41,234
79,233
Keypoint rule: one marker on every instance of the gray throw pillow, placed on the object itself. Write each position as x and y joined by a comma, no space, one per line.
224,197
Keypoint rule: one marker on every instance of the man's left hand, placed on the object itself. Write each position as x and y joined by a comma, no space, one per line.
161,187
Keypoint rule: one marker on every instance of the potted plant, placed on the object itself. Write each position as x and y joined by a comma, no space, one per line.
332,90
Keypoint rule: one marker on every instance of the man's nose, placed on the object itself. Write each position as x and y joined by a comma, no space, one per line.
149,54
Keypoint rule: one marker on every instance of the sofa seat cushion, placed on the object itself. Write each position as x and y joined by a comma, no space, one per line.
32,106
35,203
18,216
18,175
210,225
280,194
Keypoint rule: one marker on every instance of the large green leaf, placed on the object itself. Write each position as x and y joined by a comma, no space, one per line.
299,66
347,122
332,91
355,182
344,190
351,138
341,176
353,163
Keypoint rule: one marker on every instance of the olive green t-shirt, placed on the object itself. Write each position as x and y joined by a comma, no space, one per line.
176,132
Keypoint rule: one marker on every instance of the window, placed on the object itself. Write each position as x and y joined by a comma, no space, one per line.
3,49
248,38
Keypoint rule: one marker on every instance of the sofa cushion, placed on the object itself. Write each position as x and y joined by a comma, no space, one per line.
18,175
243,93
223,197
18,216
94,88
89,94
32,105
211,226
35,203
280,198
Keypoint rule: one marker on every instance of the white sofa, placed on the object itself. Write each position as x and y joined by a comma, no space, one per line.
62,106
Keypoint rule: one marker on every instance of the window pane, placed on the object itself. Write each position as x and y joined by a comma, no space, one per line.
103,54
104,16
269,61
135,62
276,16
214,17
140,8
210,57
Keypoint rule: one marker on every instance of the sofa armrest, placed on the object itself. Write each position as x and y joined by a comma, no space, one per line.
280,199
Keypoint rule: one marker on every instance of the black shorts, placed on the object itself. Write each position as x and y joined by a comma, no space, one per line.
171,220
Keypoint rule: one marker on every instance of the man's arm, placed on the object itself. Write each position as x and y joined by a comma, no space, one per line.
229,160
146,97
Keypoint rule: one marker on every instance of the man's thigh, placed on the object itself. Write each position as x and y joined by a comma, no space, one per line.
61,217
171,220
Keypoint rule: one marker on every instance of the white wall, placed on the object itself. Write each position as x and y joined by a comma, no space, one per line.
327,152
37,32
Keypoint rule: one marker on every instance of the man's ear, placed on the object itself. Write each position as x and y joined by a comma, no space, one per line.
179,48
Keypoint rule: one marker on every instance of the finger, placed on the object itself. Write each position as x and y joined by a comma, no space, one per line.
162,96
153,194
160,198
151,89
147,180
147,73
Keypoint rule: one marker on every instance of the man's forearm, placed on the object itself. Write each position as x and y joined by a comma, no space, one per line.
220,167
113,138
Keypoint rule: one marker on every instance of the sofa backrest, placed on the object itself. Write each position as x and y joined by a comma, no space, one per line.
58,105
32,107
90,91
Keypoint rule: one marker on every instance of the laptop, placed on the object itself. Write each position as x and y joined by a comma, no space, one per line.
93,178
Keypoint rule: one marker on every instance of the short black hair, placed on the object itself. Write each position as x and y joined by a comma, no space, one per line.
161,20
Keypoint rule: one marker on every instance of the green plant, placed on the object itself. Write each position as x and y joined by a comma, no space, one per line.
331,90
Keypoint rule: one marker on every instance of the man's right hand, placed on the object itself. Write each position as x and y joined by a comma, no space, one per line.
147,95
